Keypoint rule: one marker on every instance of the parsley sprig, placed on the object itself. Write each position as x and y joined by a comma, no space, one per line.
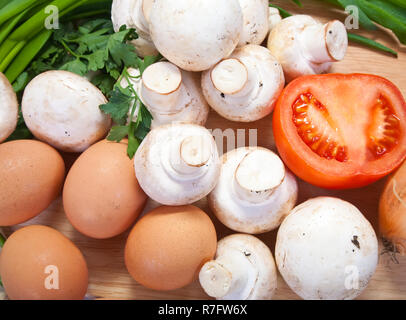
125,101
93,49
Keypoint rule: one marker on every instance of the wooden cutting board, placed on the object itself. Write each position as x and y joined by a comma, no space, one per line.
108,276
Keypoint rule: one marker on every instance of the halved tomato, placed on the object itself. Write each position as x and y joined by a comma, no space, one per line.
341,131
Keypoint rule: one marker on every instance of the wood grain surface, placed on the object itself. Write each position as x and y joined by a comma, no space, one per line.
108,276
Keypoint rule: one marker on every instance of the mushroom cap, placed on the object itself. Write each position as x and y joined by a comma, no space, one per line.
240,214
284,43
266,76
131,13
195,35
121,13
324,245
192,104
262,276
8,108
161,167
256,22
62,109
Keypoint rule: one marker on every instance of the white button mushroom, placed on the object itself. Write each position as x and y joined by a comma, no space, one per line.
243,269
135,14
274,17
8,108
304,46
197,34
255,192
62,109
177,164
170,94
326,249
245,86
256,21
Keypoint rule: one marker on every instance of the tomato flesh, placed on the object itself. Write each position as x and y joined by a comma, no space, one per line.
341,131
325,141
384,131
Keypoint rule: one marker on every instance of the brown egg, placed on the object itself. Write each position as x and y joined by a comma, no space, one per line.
167,247
40,263
101,196
31,177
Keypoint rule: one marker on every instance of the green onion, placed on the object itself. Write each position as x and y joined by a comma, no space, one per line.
282,12
90,9
35,24
364,20
389,14
400,3
9,26
11,55
27,55
13,8
370,43
3,3
399,13
298,3
383,14
6,47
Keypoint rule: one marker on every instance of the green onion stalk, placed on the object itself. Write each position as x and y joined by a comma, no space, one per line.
23,32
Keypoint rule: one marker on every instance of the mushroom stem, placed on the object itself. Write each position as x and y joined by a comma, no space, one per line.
194,152
325,43
259,173
162,87
231,77
231,275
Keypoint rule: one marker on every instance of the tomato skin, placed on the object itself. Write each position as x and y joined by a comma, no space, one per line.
293,151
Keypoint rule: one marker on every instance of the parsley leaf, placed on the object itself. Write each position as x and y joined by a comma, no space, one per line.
121,100
123,104
75,66
94,50
104,82
118,133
